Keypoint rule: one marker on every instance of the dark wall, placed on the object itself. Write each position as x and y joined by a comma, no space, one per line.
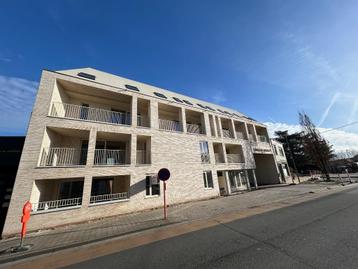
10,153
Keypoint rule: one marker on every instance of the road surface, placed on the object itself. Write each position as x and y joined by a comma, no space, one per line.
322,233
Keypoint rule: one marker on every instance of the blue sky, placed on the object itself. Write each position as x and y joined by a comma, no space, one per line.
268,59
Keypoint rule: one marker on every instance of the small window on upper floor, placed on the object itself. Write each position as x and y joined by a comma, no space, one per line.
210,108
178,100
130,87
160,95
208,180
187,102
86,75
204,151
275,150
152,186
221,111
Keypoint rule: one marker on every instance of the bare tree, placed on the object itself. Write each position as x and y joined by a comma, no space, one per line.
316,147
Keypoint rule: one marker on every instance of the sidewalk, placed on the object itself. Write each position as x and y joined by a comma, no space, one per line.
84,233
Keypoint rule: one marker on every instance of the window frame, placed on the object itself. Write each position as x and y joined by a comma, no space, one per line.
150,187
206,180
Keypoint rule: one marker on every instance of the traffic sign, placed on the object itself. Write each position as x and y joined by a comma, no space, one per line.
164,174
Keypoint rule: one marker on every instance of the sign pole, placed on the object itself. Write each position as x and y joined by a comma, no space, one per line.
165,200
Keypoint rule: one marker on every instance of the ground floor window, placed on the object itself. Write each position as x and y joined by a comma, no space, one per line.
208,180
152,186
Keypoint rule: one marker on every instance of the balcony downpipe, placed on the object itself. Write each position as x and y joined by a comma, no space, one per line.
170,125
110,157
56,204
94,199
71,111
63,157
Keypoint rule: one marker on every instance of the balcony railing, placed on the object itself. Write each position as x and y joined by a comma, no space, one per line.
240,135
71,111
56,204
219,158
205,158
227,133
262,138
63,157
234,158
109,157
142,157
143,121
170,125
251,137
194,128
108,197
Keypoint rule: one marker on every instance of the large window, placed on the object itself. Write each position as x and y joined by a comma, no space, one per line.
152,186
204,151
208,180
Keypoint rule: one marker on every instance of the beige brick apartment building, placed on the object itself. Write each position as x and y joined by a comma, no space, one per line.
95,142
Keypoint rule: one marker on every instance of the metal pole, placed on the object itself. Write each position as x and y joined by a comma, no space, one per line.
165,201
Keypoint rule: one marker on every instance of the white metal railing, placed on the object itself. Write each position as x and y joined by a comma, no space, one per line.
71,111
143,121
219,158
240,135
227,133
63,157
142,157
170,125
108,197
262,138
234,158
194,128
205,158
109,157
55,204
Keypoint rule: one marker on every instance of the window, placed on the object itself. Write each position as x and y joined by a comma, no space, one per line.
208,107
85,75
280,151
178,100
152,186
204,151
187,102
130,87
160,95
275,149
221,111
208,180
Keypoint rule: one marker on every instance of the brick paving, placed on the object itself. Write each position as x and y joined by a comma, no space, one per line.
72,235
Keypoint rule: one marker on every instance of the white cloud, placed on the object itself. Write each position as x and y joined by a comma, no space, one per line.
341,140
17,96
219,97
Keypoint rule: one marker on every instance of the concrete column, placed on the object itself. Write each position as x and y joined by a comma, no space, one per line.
226,173
206,125
246,134
254,177
91,147
255,133
248,179
220,129
224,152
232,128
133,149
153,115
87,186
134,111
182,119
211,152
215,127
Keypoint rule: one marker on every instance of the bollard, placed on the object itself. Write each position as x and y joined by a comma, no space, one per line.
26,210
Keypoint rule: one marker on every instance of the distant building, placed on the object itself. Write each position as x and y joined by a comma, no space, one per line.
96,141
10,153
281,161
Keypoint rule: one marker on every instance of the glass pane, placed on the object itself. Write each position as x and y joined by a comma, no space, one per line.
156,189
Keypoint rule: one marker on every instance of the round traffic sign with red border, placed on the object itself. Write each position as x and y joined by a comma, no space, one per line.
164,174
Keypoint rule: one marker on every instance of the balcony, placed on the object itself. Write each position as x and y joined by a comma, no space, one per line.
110,157
219,158
56,204
194,128
234,158
109,197
110,189
227,133
142,157
170,125
85,113
143,112
262,138
143,121
63,157
205,158
240,135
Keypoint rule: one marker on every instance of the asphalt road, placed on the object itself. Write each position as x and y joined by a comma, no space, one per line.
322,233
